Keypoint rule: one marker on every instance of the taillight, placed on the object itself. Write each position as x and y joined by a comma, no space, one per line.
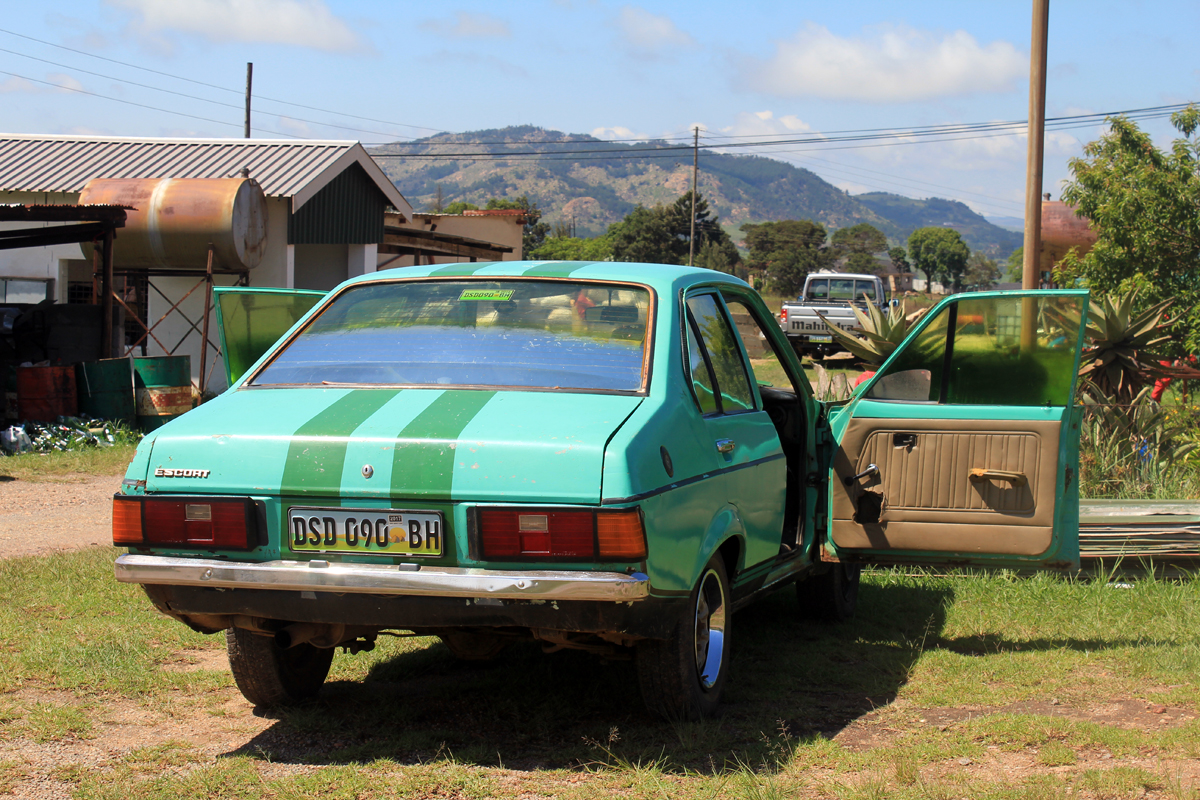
530,533
783,315
207,522
620,536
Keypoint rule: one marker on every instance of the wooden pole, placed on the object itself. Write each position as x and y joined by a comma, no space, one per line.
249,81
1033,159
106,291
208,289
695,172
1031,268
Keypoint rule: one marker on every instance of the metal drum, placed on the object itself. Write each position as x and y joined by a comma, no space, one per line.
44,393
162,389
106,389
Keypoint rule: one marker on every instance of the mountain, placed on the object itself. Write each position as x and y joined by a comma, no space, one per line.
1009,223
580,180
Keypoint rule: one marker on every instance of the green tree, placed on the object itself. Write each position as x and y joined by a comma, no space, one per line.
1016,265
1144,205
708,232
458,207
940,253
899,260
661,235
716,257
981,274
787,251
862,238
644,235
571,248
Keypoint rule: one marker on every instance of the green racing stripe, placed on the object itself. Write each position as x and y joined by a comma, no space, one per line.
423,462
318,449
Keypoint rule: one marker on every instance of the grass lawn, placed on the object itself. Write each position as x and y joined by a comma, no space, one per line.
960,686
55,466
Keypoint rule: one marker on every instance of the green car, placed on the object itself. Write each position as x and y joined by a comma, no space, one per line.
583,454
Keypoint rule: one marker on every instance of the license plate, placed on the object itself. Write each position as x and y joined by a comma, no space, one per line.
366,531
820,338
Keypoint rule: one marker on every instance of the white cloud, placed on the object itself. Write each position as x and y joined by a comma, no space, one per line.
65,82
58,83
301,23
295,127
650,34
15,84
888,64
765,122
620,132
469,26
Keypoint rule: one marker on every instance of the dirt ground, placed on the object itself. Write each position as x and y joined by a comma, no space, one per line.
53,516
75,512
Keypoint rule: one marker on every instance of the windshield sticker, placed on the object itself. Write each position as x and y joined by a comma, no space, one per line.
500,295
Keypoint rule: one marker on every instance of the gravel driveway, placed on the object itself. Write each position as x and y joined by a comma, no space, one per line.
53,516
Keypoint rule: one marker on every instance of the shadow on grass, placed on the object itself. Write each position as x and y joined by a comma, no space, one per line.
791,681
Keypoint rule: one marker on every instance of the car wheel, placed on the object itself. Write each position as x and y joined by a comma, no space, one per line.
269,675
682,677
831,596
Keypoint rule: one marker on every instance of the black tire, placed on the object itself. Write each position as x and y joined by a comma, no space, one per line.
673,683
269,675
831,596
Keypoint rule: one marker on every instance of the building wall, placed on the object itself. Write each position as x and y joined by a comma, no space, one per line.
498,229
39,263
320,266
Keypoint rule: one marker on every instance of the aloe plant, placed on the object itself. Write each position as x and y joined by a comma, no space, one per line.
1119,359
881,332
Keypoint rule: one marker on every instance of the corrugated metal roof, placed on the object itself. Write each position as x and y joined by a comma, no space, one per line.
283,168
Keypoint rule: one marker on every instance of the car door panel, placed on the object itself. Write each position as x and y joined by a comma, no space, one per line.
963,449
750,473
926,495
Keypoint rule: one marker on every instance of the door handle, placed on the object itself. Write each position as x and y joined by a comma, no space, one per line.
1017,479
725,445
872,469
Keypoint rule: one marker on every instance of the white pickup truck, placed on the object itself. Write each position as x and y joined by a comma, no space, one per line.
831,294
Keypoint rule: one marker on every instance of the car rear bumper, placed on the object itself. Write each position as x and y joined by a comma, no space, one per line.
383,579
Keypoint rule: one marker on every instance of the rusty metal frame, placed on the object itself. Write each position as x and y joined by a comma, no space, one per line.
200,327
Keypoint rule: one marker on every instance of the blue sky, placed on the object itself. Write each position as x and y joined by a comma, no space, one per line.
390,70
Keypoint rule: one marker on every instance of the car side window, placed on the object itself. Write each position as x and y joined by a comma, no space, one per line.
972,353
701,374
712,340
818,289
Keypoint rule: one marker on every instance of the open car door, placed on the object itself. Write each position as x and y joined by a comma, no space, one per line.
251,320
963,449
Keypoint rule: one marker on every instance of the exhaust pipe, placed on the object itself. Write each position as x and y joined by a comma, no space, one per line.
316,634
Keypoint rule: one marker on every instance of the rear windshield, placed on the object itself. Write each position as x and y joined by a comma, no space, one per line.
505,333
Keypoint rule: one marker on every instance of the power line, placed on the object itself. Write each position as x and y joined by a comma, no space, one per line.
216,86
139,105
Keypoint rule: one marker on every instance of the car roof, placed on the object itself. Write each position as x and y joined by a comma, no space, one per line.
663,278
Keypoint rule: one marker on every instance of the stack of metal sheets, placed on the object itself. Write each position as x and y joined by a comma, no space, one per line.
1164,530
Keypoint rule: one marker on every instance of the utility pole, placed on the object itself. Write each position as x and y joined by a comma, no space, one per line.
695,173
1030,277
249,81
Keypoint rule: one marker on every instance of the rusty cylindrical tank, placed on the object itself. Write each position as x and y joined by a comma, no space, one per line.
175,219
1063,229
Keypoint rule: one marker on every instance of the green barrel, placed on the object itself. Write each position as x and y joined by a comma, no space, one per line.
106,389
44,393
162,389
